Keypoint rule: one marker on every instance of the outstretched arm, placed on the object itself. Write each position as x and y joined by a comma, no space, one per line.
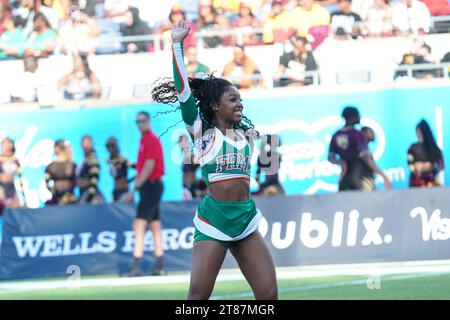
189,110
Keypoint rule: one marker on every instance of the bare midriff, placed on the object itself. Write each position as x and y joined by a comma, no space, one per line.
237,190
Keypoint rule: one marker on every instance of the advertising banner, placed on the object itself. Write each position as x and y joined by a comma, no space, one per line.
350,227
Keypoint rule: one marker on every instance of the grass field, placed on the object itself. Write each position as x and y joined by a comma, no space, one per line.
429,281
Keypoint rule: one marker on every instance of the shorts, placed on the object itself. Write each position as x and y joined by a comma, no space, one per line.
117,194
7,191
150,196
198,236
227,222
358,177
62,197
366,184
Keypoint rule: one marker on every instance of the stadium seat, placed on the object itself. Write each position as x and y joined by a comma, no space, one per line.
109,32
353,77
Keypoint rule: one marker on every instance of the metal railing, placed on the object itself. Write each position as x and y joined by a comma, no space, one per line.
442,70
238,33
158,40
437,19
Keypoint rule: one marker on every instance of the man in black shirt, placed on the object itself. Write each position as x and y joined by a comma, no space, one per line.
293,65
344,22
349,148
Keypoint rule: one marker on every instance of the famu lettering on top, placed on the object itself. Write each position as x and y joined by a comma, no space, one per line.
314,233
232,161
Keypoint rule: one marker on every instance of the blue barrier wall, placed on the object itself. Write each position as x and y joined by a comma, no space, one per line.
350,227
304,122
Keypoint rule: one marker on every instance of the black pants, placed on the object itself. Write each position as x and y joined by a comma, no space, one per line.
357,177
150,196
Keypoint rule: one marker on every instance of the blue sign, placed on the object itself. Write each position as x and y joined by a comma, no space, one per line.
305,124
350,227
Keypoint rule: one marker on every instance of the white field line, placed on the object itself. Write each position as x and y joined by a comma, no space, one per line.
249,294
282,273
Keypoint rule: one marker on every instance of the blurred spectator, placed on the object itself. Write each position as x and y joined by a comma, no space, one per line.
349,149
379,19
269,162
411,16
194,67
81,83
292,67
42,40
118,168
246,19
176,15
422,55
9,170
309,14
345,23
27,84
260,8
29,9
209,20
77,34
311,18
369,133
153,15
88,174
86,6
134,26
242,71
59,7
60,175
277,26
13,40
425,159
116,10
362,7
231,6
127,14
408,59
5,12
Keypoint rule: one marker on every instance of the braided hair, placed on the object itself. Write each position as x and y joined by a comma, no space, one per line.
206,92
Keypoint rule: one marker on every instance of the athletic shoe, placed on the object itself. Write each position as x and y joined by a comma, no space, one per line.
134,272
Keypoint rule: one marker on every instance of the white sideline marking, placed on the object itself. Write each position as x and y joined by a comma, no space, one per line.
282,273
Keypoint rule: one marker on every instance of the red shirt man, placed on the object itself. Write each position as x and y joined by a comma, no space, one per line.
150,149
150,169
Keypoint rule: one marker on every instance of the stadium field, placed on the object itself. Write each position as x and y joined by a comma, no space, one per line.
425,280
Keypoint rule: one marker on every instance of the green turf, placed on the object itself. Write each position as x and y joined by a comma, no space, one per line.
337,287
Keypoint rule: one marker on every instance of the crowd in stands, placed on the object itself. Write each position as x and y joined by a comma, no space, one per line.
422,54
42,27
39,28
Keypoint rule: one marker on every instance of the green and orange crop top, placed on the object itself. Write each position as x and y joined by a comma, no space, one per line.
221,158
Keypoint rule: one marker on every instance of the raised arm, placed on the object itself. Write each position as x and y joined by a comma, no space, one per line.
189,109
